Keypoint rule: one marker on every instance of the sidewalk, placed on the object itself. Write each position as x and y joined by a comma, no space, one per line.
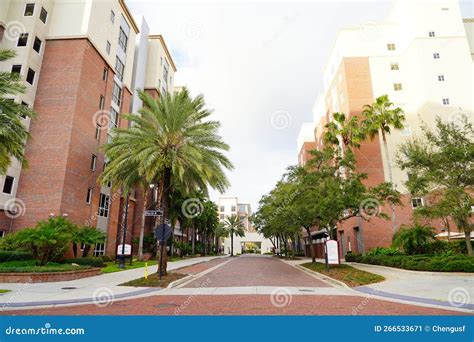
85,290
425,287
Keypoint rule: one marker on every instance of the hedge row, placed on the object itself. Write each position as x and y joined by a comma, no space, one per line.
15,256
36,269
457,263
89,261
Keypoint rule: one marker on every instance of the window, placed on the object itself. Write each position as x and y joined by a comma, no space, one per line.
431,34
406,131
397,86
101,102
16,69
436,55
89,196
113,122
93,162
119,67
43,15
441,78
222,216
105,74
8,185
391,47
446,101
416,202
112,16
37,45
123,40
99,249
2,233
30,76
22,39
29,10
116,94
24,104
107,47
233,208
97,131
222,208
394,66
104,202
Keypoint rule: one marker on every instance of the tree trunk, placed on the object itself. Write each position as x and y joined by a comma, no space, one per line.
165,200
231,243
193,241
390,176
311,249
85,252
467,238
142,228
74,249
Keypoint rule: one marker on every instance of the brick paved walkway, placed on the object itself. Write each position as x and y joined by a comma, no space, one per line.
198,268
242,305
257,271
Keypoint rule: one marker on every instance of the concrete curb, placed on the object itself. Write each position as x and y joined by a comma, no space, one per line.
180,281
326,279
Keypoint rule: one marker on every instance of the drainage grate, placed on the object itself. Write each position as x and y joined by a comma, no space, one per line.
305,290
68,288
166,305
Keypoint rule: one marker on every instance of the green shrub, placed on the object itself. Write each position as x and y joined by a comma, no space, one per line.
414,239
456,263
47,268
106,258
15,255
384,251
90,261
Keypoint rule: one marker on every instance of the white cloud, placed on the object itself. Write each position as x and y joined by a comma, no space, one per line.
250,60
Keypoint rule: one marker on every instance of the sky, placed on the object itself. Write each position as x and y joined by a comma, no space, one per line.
259,66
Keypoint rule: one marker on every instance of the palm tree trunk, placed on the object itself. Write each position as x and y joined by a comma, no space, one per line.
231,243
165,200
193,241
390,176
142,228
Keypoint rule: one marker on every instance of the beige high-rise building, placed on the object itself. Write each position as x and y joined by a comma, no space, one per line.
421,56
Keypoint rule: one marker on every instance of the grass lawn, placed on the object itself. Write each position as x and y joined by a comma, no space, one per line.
154,281
347,274
4,291
30,266
111,267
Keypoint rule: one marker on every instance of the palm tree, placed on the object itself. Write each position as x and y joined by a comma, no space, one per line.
379,118
13,134
174,145
233,225
344,128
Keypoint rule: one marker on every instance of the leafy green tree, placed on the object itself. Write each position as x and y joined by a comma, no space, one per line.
233,226
174,145
379,119
13,133
442,161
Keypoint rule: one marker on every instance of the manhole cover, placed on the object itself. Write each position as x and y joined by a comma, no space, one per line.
68,288
166,305
305,290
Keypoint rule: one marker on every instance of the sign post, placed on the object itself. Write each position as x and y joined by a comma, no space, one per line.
162,233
